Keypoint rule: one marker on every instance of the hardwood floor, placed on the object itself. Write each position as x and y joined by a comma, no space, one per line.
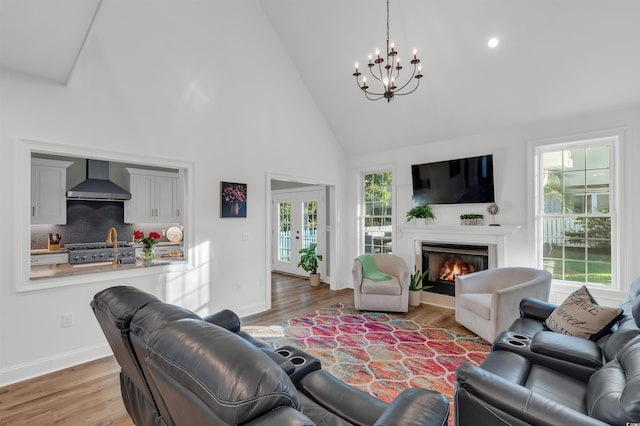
89,394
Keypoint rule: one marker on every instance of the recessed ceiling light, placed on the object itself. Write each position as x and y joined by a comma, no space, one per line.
493,42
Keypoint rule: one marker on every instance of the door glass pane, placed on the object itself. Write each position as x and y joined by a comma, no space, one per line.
309,223
284,232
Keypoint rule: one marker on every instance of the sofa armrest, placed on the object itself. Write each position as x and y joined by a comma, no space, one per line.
416,407
353,405
536,308
284,416
356,273
568,348
515,400
225,319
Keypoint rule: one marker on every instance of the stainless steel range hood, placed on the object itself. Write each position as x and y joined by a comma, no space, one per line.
98,187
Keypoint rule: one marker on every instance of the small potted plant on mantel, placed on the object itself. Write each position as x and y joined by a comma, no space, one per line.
473,219
416,287
309,262
420,213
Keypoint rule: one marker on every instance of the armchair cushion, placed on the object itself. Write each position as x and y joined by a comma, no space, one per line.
581,316
478,303
391,286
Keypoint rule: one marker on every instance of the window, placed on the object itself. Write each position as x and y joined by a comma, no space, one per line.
377,212
576,213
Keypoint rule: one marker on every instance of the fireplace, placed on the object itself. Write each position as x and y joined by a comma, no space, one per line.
493,239
446,261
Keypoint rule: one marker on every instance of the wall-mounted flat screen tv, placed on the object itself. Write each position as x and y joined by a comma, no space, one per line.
465,180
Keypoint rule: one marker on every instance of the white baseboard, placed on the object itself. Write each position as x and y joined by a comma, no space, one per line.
250,310
31,369
436,299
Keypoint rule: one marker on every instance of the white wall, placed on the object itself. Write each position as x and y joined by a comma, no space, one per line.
510,150
209,86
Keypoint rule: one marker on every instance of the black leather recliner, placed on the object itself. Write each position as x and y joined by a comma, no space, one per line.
192,372
509,389
539,377
115,308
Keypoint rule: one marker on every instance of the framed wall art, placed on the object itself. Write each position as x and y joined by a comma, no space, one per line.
233,199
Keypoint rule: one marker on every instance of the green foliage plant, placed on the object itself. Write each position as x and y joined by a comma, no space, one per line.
309,259
420,212
415,284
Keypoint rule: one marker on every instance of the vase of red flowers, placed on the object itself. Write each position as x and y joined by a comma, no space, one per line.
148,244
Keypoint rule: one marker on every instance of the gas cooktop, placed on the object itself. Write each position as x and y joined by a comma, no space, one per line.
100,252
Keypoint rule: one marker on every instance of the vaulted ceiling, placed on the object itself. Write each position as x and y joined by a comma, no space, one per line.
556,58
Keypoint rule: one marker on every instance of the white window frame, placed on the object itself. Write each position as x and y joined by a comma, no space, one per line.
360,203
618,287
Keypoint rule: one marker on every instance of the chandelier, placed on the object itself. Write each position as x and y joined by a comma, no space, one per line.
388,74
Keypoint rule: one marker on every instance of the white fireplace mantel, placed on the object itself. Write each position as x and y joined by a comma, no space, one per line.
459,234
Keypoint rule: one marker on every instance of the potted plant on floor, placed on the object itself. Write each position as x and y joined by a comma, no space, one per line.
416,287
420,213
309,262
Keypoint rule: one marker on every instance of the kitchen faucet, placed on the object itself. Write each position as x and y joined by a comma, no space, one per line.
113,231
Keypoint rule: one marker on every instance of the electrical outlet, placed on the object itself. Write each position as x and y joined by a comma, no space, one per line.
66,320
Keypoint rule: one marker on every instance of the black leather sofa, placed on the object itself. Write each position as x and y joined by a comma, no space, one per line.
180,369
534,376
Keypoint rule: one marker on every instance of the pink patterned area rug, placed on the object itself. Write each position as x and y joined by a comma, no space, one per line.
378,353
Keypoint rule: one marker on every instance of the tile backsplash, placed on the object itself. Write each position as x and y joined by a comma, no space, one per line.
88,222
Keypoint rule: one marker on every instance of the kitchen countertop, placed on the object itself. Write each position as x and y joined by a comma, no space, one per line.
36,252
67,270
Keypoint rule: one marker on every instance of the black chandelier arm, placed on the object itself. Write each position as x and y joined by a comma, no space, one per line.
408,93
379,72
413,74
379,96
367,92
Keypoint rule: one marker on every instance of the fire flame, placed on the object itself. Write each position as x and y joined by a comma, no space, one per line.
450,270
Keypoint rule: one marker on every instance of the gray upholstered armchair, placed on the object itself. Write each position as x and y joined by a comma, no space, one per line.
487,302
391,295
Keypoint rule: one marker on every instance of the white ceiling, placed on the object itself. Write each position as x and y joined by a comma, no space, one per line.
556,58
43,38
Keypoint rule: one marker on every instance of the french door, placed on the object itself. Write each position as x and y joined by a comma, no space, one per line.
298,221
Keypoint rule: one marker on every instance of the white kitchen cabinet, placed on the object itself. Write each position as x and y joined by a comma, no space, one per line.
154,197
48,191
49,259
